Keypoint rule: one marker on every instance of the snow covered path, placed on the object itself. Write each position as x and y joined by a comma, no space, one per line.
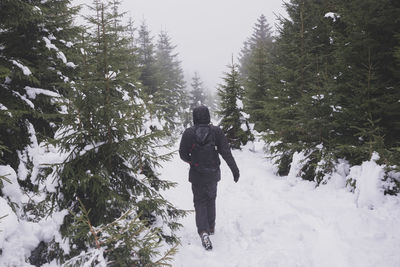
265,220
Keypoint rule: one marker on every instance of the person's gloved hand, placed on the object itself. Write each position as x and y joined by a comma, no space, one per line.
236,175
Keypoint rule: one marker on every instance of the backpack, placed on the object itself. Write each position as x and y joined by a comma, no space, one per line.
204,154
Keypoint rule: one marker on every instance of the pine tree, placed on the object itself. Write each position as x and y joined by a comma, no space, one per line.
111,161
233,123
255,68
197,94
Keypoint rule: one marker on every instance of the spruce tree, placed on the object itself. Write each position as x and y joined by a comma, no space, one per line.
332,95
302,105
110,167
197,94
233,123
211,101
255,68
186,114
35,53
37,63
368,84
171,92
147,61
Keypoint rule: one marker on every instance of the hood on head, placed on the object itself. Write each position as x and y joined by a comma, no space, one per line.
201,115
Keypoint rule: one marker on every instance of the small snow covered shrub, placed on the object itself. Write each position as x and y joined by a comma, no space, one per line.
313,164
367,182
281,155
127,241
371,181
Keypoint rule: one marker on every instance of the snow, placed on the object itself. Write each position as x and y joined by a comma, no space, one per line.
265,220
318,97
245,115
19,238
299,160
26,100
368,177
8,221
239,103
25,70
111,75
336,108
2,107
333,16
33,92
19,235
71,65
11,188
90,147
338,178
61,56
62,76
49,45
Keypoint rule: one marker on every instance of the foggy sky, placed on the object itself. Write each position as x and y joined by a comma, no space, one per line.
206,32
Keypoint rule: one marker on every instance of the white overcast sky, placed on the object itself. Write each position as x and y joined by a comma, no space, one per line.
206,32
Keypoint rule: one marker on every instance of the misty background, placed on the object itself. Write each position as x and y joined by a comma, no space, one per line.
207,33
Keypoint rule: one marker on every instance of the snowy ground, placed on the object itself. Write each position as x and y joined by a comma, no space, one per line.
265,220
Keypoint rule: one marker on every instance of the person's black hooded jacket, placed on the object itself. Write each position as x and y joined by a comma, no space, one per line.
201,117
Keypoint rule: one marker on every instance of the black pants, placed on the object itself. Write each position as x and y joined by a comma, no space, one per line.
204,196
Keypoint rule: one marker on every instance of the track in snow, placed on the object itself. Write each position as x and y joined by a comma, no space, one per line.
265,220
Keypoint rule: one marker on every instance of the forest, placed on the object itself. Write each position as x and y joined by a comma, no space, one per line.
88,114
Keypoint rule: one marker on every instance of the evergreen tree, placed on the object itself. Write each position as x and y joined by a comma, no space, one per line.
261,36
302,105
186,114
36,44
171,90
197,94
230,110
255,68
147,61
127,238
332,95
369,79
111,161
211,101
37,51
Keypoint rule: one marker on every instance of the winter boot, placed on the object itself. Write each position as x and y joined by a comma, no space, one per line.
205,241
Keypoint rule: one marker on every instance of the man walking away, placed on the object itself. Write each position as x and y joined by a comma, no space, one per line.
199,147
